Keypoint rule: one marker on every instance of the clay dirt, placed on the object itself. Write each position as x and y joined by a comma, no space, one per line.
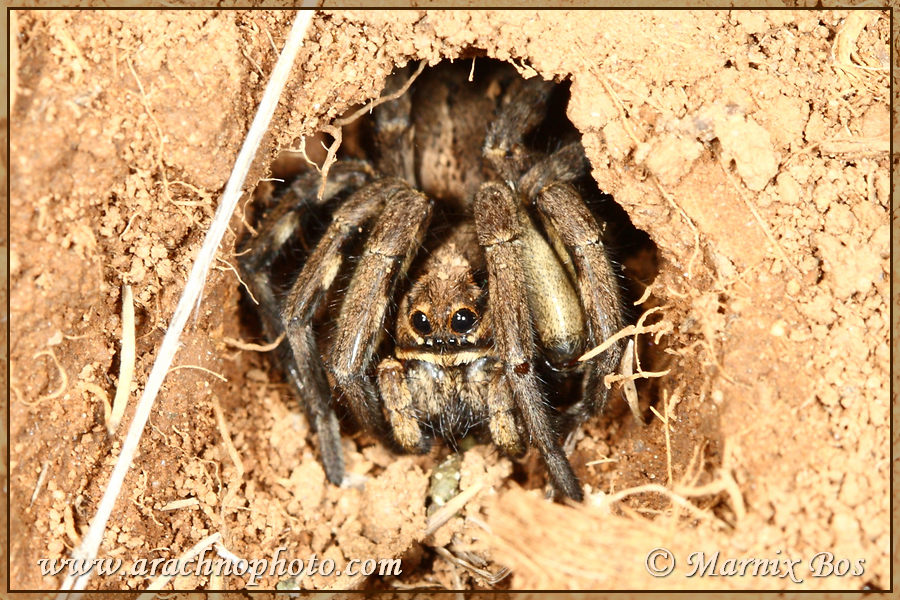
751,146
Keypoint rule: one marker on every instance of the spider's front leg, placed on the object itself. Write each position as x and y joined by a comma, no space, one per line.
567,218
297,354
281,224
498,227
390,247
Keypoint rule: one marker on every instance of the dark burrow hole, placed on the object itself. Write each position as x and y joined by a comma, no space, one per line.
632,251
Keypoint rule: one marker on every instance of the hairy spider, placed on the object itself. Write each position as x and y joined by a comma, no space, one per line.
456,278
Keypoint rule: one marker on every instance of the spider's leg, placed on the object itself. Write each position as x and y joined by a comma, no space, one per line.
565,165
568,219
394,131
301,365
390,247
498,229
318,274
256,254
522,108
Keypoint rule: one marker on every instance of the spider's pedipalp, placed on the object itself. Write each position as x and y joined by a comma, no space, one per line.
399,404
502,419
498,229
390,247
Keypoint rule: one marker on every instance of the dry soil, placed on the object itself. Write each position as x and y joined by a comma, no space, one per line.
751,146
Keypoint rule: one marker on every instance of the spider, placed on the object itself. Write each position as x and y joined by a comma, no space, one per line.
455,280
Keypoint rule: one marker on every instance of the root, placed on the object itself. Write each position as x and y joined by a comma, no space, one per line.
441,516
844,49
762,224
64,383
679,493
238,275
246,223
645,296
601,461
626,369
101,394
159,131
40,482
301,150
126,362
677,496
226,437
69,526
491,579
631,330
687,219
199,368
335,129
128,225
179,504
667,430
626,374
242,345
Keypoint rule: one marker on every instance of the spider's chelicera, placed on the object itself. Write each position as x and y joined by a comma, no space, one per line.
457,277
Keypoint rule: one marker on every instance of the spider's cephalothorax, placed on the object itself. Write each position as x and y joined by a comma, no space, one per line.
455,276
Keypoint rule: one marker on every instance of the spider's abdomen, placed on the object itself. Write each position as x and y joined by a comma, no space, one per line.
450,126
557,313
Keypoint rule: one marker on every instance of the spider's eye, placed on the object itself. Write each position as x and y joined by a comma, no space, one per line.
463,320
420,322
